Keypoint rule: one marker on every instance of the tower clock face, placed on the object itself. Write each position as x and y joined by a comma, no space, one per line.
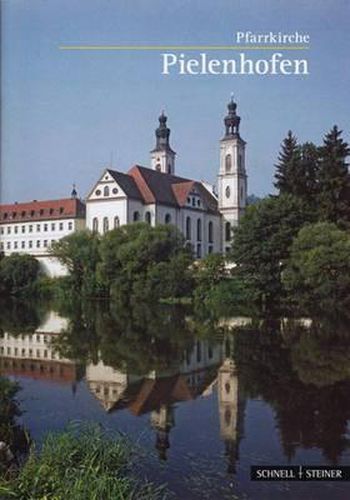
227,191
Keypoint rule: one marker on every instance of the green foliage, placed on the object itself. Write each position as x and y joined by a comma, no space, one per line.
262,243
334,186
318,272
140,261
11,434
297,170
83,463
79,252
18,274
288,164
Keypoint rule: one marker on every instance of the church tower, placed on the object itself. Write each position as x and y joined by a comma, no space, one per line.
162,156
232,179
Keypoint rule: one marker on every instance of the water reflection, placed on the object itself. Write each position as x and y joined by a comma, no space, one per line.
150,361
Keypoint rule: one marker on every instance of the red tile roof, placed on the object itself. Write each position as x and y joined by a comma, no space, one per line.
42,210
166,189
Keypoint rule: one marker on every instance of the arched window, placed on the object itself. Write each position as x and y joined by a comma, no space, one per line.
158,167
105,224
116,222
106,191
210,232
241,192
148,217
228,163
228,231
95,224
188,228
167,218
199,230
136,216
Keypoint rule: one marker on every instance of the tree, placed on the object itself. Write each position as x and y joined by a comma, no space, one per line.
306,179
318,271
79,252
18,273
261,243
334,186
143,261
288,166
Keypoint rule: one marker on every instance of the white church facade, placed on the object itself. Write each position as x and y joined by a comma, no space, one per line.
157,195
154,194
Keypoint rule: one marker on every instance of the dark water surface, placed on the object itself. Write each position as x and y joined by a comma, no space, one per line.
202,400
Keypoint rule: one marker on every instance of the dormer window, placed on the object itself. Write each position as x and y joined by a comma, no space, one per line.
61,210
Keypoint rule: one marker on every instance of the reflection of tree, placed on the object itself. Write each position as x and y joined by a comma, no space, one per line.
137,339
307,414
19,316
14,439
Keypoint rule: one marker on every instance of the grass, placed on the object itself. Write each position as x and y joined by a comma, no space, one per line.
81,463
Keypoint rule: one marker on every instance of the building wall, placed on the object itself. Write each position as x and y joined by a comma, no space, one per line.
36,238
100,209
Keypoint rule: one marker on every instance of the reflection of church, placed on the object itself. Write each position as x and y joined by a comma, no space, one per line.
204,368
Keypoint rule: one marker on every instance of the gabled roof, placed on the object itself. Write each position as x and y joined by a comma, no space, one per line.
167,189
42,210
127,183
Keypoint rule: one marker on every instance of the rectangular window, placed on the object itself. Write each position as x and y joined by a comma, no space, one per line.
30,244
16,229
8,229
1,245
15,244
38,244
61,226
45,243
8,245
23,244
23,229
70,226
46,227
2,230
53,226
31,228
38,227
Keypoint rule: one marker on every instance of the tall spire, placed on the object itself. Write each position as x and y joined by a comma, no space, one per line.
162,134
232,120
162,156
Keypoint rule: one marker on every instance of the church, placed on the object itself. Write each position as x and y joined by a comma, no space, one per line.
157,195
154,194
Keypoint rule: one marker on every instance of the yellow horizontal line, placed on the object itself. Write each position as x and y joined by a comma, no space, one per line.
179,47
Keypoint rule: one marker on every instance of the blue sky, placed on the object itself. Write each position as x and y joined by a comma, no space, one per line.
64,113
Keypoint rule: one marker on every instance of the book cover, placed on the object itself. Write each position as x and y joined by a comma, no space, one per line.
174,249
